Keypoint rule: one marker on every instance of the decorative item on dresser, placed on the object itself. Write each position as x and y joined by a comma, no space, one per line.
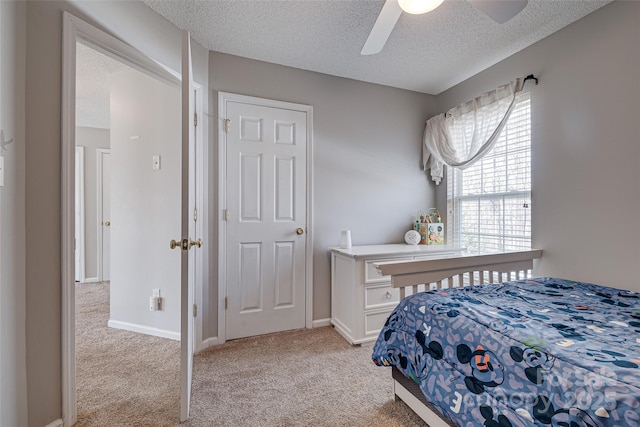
361,297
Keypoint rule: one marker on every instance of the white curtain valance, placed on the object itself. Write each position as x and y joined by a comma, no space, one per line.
467,132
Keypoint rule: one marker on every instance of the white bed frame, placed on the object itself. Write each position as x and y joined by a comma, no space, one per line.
443,273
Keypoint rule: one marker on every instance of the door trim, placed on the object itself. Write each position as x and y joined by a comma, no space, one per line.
202,224
80,213
223,98
100,220
75,30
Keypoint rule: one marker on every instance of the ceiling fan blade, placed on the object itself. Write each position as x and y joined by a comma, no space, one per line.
382,28
499,10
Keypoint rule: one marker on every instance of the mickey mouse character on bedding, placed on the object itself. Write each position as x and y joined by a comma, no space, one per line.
486,369
545,413
538,362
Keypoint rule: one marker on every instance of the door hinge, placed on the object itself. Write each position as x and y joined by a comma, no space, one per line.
195,119
226,125
226,303
226,214
195,310
195,215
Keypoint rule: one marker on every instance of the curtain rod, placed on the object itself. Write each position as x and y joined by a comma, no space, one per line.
531,77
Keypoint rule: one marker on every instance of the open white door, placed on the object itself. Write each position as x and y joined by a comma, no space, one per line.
188,200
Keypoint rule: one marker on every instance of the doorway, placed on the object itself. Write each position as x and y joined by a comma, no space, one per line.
76,30
266,233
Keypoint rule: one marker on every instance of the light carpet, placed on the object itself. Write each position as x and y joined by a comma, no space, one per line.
296,378
123,378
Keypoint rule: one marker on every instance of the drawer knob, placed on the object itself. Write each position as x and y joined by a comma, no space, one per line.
388,295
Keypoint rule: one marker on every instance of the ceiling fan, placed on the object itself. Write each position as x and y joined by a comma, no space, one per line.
499,10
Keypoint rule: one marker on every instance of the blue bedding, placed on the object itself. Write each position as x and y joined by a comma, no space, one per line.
545,352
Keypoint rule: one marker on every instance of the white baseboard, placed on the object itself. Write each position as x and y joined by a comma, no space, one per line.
56,423
148,330
208,343
320,323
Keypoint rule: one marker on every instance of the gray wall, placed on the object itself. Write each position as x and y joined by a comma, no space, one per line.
90,139
366,154
585,144
145,212
142,28
13,372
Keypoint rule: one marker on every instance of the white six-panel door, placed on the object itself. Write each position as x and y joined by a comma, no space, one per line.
265,219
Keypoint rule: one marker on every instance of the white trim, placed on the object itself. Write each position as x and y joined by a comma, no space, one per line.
201,229
223,98
309,249
147,330
75,30
70,32
79,226
56,423
99,219
427,415
209,342
320,323
91,280
222,228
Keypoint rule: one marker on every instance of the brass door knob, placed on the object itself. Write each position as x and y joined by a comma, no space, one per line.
299,231
175,244
197,243
107,223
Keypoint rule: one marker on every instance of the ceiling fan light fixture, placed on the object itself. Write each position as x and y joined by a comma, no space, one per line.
417,7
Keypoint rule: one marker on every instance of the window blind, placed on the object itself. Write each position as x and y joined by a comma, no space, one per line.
489,203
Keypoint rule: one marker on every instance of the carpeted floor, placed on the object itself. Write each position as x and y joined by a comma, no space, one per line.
296,378
123,378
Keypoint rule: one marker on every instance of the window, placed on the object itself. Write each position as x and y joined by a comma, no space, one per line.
489,203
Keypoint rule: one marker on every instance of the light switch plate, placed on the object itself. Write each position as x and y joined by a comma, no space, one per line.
1,171
156,162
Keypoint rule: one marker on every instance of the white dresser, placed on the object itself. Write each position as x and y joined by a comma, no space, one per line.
361,299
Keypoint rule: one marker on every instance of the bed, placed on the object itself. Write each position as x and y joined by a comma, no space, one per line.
525,351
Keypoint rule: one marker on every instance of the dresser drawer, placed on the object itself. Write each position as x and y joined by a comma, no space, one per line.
373,322
380,296
371,273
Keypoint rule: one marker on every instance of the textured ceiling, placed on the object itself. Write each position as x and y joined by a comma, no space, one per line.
425,53
93,71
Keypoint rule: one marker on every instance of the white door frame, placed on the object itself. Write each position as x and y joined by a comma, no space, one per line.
74,30
80,213
100,220
202,211
223,98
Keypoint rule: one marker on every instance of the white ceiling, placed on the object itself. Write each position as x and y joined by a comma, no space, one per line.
425,53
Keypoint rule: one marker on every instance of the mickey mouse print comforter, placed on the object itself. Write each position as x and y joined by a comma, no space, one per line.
545,352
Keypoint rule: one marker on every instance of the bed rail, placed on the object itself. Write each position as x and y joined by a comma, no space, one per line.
457,271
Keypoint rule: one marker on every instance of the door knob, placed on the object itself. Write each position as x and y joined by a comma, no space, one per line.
299,231
107,223
180,244
185,244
